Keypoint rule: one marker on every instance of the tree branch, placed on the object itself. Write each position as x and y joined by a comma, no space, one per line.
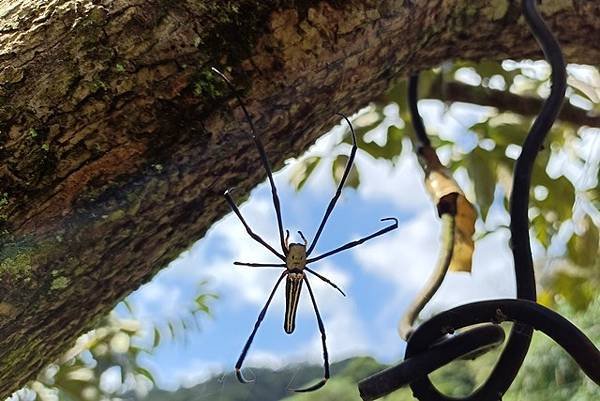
116,142
504,100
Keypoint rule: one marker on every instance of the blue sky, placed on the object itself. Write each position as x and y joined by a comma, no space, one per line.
380,277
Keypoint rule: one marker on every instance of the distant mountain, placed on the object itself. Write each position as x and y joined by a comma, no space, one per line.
548,373
269,385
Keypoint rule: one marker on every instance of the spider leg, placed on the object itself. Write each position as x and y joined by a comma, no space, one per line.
256,237
322,382
325,279
358,242
338,192
303,237
263,157
259,264
261,316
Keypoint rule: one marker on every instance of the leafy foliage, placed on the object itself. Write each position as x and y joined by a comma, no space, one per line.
104,363
565,178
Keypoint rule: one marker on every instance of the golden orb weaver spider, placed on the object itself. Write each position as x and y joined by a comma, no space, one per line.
295,256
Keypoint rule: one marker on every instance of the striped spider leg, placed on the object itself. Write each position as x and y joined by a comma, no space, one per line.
294,256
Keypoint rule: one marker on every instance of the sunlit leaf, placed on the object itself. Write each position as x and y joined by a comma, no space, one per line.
302,171
558,205
156,340
338,167
81,374
128,306
146,373
483,175
368,119
543,230
120,343
171,327
583,249
591,91
578,291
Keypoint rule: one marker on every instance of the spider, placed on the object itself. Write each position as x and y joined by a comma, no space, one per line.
295,256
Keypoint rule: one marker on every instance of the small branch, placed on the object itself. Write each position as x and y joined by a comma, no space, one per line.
503,100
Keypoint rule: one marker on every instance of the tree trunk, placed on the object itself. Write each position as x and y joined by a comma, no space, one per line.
116,142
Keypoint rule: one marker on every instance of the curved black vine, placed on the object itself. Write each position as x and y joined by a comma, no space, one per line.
433,344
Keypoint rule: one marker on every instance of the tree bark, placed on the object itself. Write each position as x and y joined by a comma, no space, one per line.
116,141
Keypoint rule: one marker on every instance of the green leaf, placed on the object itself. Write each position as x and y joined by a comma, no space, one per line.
128,306
543,230
392,147
583,249
579,291
156,341
506,134
558,205
337,168
201,302
171,327
488,69
145,372
483,174
302,171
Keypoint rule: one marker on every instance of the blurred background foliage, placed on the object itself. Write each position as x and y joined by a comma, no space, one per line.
565,203
105,363
565,197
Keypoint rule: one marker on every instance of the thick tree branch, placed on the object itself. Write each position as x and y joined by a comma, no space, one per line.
506,101
116,142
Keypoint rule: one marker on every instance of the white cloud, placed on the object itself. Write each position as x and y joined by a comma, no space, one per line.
250,285
158,299
260,358
402,184
406,255
345,331
186,374
346,334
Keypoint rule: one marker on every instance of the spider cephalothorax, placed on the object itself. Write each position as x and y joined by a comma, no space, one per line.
295,256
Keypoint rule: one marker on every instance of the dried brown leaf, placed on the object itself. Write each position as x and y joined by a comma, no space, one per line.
440,183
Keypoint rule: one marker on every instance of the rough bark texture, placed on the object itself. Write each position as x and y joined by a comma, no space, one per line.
116,143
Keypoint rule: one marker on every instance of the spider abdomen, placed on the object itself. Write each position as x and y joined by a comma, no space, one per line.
293,287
